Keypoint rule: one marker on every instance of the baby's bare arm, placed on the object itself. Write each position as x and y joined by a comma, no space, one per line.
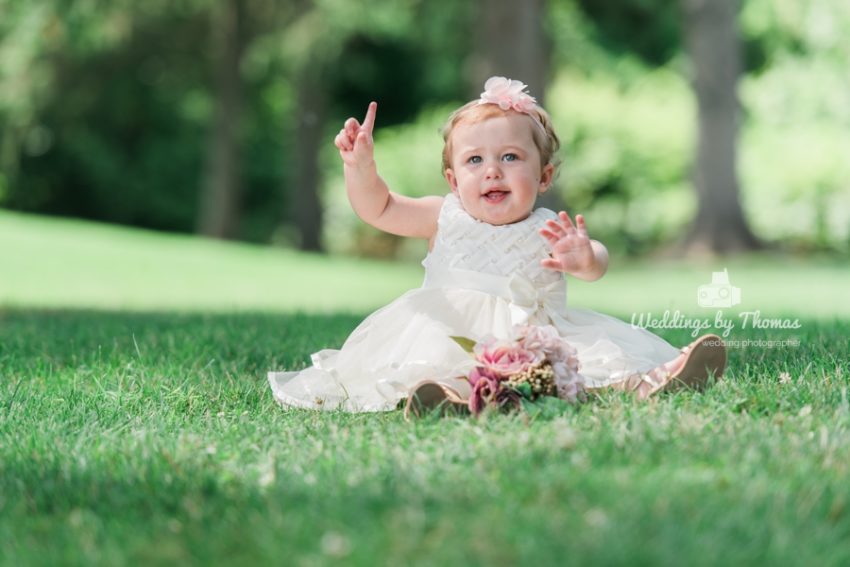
369,195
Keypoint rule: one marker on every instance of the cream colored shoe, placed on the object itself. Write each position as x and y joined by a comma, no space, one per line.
704,358
429,397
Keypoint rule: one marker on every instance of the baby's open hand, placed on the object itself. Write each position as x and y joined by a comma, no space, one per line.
355,140
572,251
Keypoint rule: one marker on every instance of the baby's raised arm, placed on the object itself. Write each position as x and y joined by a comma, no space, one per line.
370,197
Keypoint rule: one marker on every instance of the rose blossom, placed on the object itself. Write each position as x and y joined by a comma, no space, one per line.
479,373
505,358
545,342
484,391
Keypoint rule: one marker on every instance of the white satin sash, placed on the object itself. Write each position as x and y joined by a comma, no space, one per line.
528,303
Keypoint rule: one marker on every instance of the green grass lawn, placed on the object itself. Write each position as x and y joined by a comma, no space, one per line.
136,425
65,263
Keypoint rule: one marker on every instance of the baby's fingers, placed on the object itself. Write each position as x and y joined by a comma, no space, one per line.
369,120
363,146
580,226
565,220
352,126
559,228
550,236
343,142
551,264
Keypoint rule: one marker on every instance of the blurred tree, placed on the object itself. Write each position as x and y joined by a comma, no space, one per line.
218,210
342,55
708,29
113,104
148,114
512,42
111,107
309,129
239,29
714,47
108,109
649,29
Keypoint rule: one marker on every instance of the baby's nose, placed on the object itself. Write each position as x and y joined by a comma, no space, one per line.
493,172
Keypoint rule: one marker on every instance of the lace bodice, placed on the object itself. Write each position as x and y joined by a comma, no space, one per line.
467,244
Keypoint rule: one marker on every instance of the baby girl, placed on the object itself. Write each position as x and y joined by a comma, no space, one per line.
494,262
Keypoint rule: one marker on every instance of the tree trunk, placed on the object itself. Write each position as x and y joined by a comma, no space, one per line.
219,206
511,42
712,41
306,203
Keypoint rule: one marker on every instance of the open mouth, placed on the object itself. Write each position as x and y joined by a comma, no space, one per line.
495,196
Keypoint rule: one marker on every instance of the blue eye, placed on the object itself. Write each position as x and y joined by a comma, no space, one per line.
510,157
474,159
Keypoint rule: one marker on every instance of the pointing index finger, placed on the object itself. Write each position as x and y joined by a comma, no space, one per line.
369,121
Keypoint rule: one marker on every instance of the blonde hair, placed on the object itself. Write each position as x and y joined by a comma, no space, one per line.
543,134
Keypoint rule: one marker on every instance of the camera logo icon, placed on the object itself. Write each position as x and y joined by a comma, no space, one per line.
719,293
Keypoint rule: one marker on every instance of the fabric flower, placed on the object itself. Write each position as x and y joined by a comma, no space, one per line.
507,94
479,373
540,339
483,393
571,388
505,358
536,361
545,341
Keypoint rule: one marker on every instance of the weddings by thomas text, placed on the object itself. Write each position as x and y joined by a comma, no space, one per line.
721,323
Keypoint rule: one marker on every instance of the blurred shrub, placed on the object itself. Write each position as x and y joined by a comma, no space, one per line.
625,149
121,135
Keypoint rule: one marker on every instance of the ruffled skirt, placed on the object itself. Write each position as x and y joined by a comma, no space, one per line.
409,340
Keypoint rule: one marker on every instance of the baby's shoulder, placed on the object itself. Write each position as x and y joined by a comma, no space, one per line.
450,207
544,214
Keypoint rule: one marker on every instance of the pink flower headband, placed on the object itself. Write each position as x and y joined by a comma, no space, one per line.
510,94
507,94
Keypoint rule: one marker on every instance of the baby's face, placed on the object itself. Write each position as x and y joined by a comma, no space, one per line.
495,168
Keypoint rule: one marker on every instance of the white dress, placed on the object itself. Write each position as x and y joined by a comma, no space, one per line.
480,280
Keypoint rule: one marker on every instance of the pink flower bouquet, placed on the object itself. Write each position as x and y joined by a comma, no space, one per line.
537,362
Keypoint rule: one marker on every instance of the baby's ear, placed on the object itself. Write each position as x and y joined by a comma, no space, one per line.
451,179
546,177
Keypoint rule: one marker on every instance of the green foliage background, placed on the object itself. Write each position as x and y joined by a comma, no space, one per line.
105,112
627,132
